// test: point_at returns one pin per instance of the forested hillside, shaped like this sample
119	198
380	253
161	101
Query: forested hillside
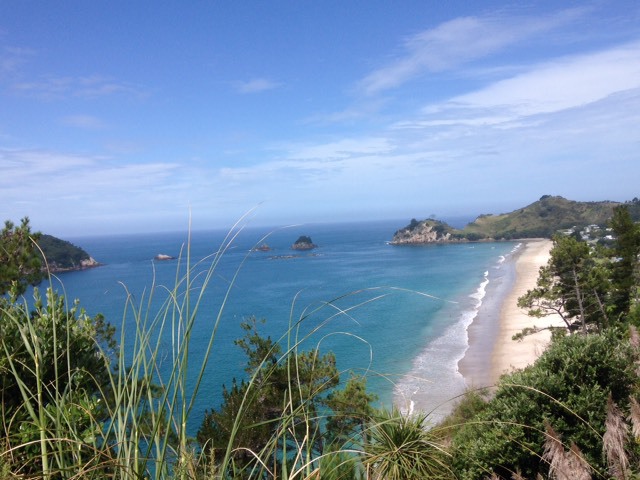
541	219
62	255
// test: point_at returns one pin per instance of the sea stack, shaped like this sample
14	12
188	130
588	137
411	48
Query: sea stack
304	243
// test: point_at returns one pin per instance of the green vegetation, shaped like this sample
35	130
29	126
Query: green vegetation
567	416
568	388
62	255
541	219
20	262
21	256
76	405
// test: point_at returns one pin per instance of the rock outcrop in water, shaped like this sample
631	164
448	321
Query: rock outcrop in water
163	257
426	231
304	243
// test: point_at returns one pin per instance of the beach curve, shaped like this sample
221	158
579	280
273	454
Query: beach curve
492	351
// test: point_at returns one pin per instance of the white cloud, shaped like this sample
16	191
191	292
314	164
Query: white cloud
57	87
340	149
560	84
256	85
34	172
459	41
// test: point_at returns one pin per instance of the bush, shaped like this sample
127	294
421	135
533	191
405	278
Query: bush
568	387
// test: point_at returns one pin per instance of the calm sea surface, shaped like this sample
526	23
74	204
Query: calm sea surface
398	314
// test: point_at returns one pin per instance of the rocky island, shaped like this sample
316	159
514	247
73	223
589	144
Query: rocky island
303	243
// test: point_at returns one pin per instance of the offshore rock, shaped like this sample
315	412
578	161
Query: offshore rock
304	243
162	257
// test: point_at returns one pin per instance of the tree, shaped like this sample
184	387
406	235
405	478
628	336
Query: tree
282	407
20	260
568	388
352	411
625	265
571	285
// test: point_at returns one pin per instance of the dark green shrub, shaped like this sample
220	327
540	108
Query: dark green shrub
568	387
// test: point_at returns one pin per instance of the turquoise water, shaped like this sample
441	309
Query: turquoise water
407	333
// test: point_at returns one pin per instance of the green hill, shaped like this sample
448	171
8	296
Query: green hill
542	218
63	256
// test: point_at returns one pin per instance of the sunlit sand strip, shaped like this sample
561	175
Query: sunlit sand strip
509	354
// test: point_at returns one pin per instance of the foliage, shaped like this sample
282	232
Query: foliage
568	388
54	376
401	447
573	285
60	254
282	406
352	410
67	414
625	270
20	260
542	219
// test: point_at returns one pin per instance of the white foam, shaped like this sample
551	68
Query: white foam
434	379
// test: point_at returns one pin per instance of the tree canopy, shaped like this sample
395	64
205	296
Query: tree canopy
20	259
287	398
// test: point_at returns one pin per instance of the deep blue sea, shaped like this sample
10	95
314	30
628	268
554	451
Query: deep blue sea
395	313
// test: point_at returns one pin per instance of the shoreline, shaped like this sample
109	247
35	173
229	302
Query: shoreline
491	351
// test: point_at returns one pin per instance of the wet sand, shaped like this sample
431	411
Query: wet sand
492	351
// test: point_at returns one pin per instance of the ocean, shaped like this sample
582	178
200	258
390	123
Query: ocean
397	314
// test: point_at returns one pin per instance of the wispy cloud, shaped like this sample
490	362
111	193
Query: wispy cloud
545	88
344	148
457	42
256	85
53	87
11	58
57	173
562	84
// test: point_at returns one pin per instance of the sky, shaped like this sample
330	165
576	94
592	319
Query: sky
147	116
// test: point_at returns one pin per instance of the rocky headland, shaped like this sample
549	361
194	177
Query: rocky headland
63	256
541	219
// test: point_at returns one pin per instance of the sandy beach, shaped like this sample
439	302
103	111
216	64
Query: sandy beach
509	354
492	351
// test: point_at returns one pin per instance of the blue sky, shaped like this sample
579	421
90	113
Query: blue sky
134	116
